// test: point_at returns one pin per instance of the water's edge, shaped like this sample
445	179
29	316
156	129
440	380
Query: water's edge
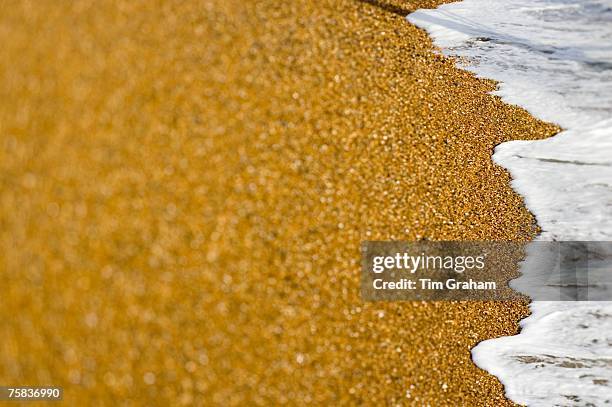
551	58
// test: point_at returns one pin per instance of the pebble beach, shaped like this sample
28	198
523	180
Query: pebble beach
184	188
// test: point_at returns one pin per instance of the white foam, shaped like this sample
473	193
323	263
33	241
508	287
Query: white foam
562	356
554	58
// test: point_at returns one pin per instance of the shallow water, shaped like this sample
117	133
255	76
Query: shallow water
554	58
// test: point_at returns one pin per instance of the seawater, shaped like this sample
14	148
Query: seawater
553	58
